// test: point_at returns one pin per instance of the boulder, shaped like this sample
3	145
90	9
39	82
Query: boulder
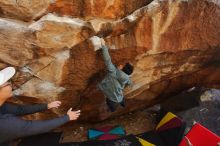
17	47
55	33
173	45
105	9
26	10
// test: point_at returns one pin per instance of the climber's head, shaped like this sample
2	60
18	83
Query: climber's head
5	86
127	68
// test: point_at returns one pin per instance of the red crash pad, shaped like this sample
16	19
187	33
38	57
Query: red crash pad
201	136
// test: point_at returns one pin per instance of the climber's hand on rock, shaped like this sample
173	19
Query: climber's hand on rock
96	41
54	104
102	42
73	115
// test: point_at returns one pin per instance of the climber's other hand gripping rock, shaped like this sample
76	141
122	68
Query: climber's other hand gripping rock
96	41
102	42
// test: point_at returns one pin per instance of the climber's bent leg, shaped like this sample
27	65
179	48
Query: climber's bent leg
112	105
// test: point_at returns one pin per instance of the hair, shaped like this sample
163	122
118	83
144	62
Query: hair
128	69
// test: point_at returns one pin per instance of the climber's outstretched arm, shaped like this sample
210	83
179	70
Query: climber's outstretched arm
100	43
107	58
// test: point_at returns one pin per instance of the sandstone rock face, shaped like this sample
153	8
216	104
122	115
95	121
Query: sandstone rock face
56	33
174	45
23	9
16	48
107	9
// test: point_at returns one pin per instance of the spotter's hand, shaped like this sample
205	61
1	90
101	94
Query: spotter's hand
73	115
54	104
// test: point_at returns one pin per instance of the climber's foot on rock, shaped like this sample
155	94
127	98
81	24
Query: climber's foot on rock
122	103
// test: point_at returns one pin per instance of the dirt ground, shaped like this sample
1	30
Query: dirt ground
133	123
200	105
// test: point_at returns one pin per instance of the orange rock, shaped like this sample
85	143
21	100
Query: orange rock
108	9
174	45
23	9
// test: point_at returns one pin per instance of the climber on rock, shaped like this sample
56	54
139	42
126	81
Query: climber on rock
116	78
12	126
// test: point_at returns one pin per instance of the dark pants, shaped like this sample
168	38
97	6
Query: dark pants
113	105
